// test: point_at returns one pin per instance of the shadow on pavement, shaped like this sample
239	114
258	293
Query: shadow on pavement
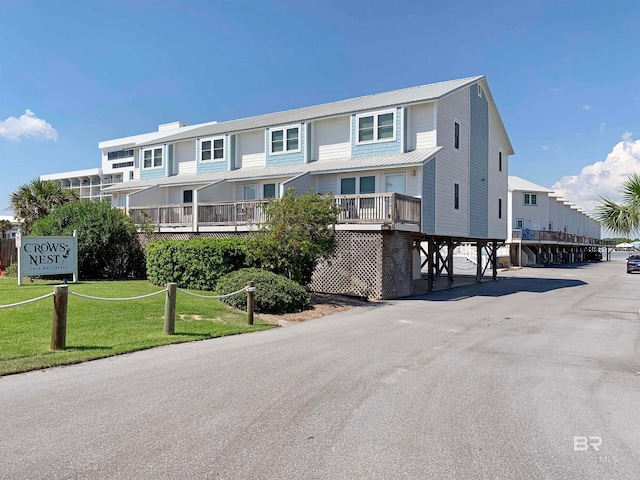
499	288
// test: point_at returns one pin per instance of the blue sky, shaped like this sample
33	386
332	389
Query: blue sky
564	75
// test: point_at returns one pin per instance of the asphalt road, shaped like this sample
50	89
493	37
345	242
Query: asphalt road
488	381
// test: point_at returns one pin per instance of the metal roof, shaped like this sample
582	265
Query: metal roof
520	184
413	158
403	96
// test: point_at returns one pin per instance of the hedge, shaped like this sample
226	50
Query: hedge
274	293
196	264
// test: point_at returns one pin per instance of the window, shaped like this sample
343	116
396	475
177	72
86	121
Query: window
131	175
119	154
285	140
269	190
456	196
368	185
378	127
499	161
249	192
122	165
212	149
499	208
152	158
348	186
531	199
456	134
187	196
519	222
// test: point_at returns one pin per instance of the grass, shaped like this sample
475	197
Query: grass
97	329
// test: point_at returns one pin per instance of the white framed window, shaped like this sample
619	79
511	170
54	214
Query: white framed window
376	127
212	149
519	222
531	199
269	190
249	192
152	157
284	140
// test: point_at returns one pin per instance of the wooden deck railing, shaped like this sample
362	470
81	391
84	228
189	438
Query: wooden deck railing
375	208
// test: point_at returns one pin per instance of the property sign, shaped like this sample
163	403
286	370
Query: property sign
48	256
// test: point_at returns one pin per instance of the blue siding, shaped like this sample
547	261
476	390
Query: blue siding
295	158
212	165
429	197
479	164
155	172
377	148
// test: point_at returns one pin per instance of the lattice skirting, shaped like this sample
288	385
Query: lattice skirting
375	265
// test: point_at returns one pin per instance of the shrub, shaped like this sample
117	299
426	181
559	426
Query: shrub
197	264
108	245
274	293
296	235
11	271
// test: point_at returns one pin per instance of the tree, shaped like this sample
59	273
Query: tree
108	246
34	200
622	217
5	226
296	235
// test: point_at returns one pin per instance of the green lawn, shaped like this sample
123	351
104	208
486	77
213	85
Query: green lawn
98	329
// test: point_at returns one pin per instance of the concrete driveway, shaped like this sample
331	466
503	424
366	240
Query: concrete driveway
532	376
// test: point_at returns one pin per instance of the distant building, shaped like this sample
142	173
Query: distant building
15	225
546	228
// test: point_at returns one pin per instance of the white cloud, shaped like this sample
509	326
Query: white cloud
602	178
544	147
27	125
586	107
603	126
626	136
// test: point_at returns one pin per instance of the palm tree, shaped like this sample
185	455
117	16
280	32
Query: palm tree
34	200
622	217
5	226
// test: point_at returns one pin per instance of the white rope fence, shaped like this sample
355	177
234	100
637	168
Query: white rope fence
116	299
61	293
27	301
245	289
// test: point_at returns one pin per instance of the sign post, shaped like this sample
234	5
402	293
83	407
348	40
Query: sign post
47	256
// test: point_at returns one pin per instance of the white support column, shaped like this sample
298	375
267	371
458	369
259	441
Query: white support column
195	210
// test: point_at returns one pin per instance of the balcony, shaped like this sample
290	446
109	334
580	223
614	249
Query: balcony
389	210
547	236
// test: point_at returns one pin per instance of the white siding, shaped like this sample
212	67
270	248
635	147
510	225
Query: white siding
220	192
327	184
331	139
422	129
498	180
452	165
184	158
250	149
535	217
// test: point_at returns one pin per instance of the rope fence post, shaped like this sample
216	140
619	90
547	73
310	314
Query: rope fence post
251	291
170	309
59	320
